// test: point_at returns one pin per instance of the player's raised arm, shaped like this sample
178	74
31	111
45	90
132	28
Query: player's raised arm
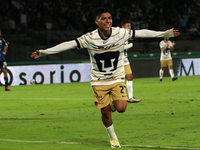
56	49
156	34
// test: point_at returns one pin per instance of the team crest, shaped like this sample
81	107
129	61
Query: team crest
116	38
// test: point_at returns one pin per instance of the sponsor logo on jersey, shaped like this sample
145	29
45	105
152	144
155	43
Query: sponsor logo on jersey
108	47
110	78
104	42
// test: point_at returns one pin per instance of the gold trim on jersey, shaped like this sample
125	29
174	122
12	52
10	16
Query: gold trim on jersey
120	59
101	39
106	49
80	42
93	38
86	39
124	34
95	70
120	66
122	51
107	76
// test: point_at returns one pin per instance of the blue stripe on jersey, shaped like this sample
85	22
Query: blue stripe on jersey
78	44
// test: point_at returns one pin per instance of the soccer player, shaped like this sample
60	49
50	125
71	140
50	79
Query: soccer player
105	46
3	64
128	72
166	47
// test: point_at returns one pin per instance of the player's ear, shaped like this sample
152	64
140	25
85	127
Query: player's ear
96	22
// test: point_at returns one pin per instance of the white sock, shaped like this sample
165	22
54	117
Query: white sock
171	72
129	85
111	132
161	73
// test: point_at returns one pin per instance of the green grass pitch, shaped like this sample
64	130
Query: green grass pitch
63	117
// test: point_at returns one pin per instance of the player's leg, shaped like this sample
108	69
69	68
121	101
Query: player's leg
102	100
129	84
161	71
107	121
171	71
119	96
6	79
3	66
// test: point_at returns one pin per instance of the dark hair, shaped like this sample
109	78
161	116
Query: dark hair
123	22
101	10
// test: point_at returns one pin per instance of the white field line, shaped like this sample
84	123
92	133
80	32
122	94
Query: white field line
72	98
76	143
62	99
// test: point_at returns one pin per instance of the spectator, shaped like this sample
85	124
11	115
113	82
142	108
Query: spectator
183	22
12	26
193	32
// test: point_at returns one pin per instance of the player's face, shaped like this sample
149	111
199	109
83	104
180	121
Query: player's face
166	39
127	26
104	21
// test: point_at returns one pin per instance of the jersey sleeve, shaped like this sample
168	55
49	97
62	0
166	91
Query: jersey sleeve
127	34
133	34
144	33
59	48
83	41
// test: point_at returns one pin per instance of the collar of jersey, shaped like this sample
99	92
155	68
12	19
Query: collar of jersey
107	37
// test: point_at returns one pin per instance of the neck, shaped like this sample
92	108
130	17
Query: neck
104	33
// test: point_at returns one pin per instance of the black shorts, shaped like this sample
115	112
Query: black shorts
3	65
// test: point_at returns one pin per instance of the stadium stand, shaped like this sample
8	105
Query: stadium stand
32	24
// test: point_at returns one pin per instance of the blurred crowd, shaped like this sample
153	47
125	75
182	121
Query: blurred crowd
23	15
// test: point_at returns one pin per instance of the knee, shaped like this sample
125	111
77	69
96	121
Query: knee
129	77
121	110
121	107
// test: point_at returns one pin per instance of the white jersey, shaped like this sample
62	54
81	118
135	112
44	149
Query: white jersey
166	55
106	56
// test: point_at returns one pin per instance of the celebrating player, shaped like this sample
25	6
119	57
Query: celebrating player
106	46
166	47
3	64
128	72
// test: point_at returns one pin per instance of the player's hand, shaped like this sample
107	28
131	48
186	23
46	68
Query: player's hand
4	52
35	54
176	32
173	43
